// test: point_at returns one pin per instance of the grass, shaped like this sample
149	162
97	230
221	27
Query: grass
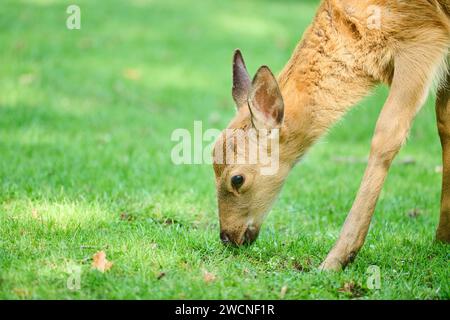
85	123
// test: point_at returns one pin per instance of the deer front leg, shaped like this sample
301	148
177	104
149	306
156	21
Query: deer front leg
443	118
405	99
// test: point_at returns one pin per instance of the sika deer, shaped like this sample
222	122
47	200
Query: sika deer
351	46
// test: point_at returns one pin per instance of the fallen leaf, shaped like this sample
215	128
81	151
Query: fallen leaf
100	262
132	74
283	291
208	276
438	169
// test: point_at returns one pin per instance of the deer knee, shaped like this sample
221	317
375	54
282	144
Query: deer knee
386	144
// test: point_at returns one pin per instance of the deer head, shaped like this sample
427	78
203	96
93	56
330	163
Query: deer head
247	184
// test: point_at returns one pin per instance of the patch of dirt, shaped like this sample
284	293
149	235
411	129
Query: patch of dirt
302	266
353	289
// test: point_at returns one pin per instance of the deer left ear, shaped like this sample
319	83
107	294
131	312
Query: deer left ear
265	100
241	80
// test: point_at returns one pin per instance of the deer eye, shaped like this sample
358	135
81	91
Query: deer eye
237	181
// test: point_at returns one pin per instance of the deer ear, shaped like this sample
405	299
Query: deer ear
265	100
241	80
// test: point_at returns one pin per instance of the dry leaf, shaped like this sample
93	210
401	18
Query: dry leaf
132	74
208	276
283	292
100	262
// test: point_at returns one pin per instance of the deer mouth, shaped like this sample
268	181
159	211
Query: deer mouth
246	238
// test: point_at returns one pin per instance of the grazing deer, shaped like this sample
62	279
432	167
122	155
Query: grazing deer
351	46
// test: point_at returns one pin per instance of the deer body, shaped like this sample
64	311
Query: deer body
350	47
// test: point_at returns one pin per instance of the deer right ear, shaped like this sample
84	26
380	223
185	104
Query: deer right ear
241	80
265	101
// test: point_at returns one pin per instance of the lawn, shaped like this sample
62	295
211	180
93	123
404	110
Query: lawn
86	118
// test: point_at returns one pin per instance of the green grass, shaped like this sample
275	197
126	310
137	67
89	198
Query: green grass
85	124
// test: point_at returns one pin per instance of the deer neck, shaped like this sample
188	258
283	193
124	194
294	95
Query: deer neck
318	86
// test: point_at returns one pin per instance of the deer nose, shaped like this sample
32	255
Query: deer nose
224	237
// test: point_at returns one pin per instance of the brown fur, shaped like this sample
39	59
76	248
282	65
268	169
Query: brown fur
339	61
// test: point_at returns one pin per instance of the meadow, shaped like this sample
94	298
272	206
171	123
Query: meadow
86	118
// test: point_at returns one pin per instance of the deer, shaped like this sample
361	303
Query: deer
351	47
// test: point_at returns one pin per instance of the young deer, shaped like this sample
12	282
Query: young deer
351	46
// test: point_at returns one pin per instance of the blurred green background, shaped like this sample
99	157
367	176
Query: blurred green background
85	123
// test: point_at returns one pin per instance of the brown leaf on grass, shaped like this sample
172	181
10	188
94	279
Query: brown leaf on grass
100	262
208	276
283	291
132	74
